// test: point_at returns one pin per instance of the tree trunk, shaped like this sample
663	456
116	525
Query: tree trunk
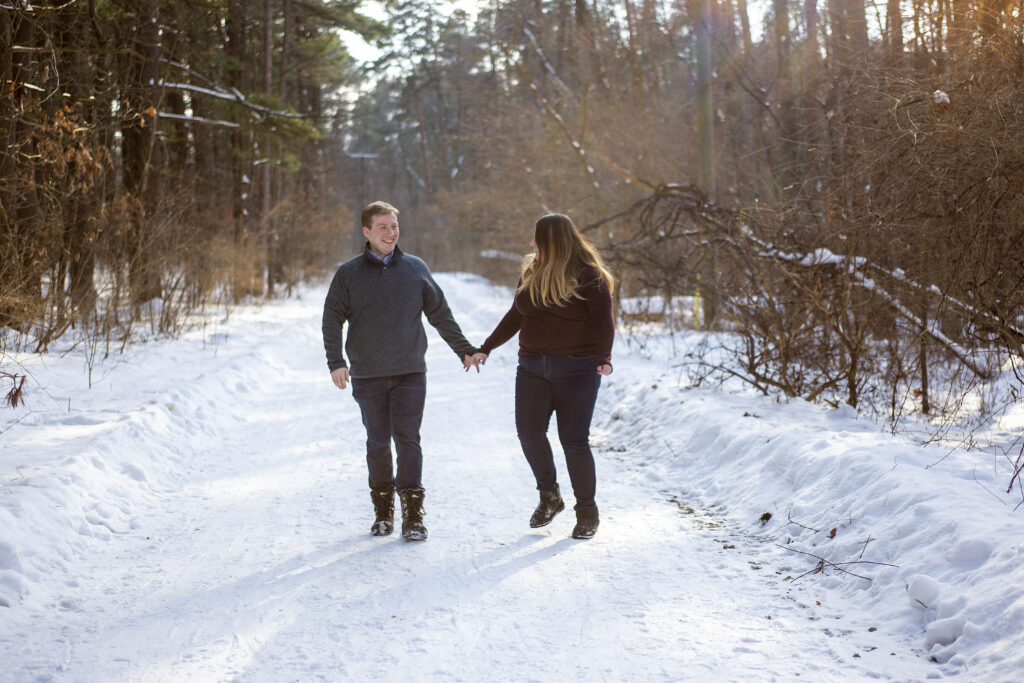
235	29
895	33
7	113
266	168
786	158
705	103
82	258
926	407
138	133
22	209
7	167
89	76
856	11
241	149
706	156
748	43
811	24
286	35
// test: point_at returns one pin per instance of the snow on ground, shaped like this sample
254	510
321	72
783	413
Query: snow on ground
201	513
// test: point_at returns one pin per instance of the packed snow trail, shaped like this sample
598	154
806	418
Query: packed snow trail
243	552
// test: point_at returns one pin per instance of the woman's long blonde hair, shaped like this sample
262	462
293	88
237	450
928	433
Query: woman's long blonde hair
551	276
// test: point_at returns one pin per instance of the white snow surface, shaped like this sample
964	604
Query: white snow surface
201	513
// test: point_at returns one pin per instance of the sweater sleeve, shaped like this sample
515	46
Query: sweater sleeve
440	316
506	329
335	314
599	305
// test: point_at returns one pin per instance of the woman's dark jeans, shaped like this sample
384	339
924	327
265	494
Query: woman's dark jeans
566	386
392	407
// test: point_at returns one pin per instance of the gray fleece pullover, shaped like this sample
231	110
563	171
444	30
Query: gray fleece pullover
383	304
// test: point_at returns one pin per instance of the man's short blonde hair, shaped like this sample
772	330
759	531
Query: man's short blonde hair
376	209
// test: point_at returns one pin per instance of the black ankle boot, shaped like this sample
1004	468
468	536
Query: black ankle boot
412	515
383	499
586	522
550	505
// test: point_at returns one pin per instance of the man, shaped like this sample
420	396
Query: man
382	294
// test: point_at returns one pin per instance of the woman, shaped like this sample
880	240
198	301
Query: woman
563	312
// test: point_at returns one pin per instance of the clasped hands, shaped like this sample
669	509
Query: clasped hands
474	361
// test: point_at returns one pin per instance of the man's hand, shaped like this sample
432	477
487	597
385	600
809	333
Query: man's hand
474	361
340	377
605	369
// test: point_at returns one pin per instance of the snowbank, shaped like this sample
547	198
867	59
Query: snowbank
839	489
80	464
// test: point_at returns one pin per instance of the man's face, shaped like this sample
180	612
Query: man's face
382	233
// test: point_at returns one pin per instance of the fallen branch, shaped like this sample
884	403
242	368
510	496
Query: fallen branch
789	515
823	564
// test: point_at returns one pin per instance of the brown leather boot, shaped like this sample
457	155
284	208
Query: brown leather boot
550	505
412	515
384	509
586	522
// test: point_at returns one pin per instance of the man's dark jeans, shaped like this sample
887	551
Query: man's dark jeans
566	386
392	407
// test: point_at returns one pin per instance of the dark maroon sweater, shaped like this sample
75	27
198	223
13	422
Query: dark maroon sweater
584	326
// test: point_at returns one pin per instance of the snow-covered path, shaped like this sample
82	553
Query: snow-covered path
223	490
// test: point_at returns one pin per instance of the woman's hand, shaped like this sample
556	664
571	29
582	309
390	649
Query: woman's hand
605	369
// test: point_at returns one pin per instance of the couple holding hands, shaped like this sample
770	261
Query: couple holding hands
562	310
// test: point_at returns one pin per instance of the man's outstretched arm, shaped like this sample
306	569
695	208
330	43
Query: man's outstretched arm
435	307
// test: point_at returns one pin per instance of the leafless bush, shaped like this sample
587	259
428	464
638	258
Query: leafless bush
663	247
811	314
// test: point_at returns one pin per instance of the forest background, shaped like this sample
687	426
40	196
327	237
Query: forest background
838	188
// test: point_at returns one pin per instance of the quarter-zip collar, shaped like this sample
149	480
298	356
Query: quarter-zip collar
375	259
